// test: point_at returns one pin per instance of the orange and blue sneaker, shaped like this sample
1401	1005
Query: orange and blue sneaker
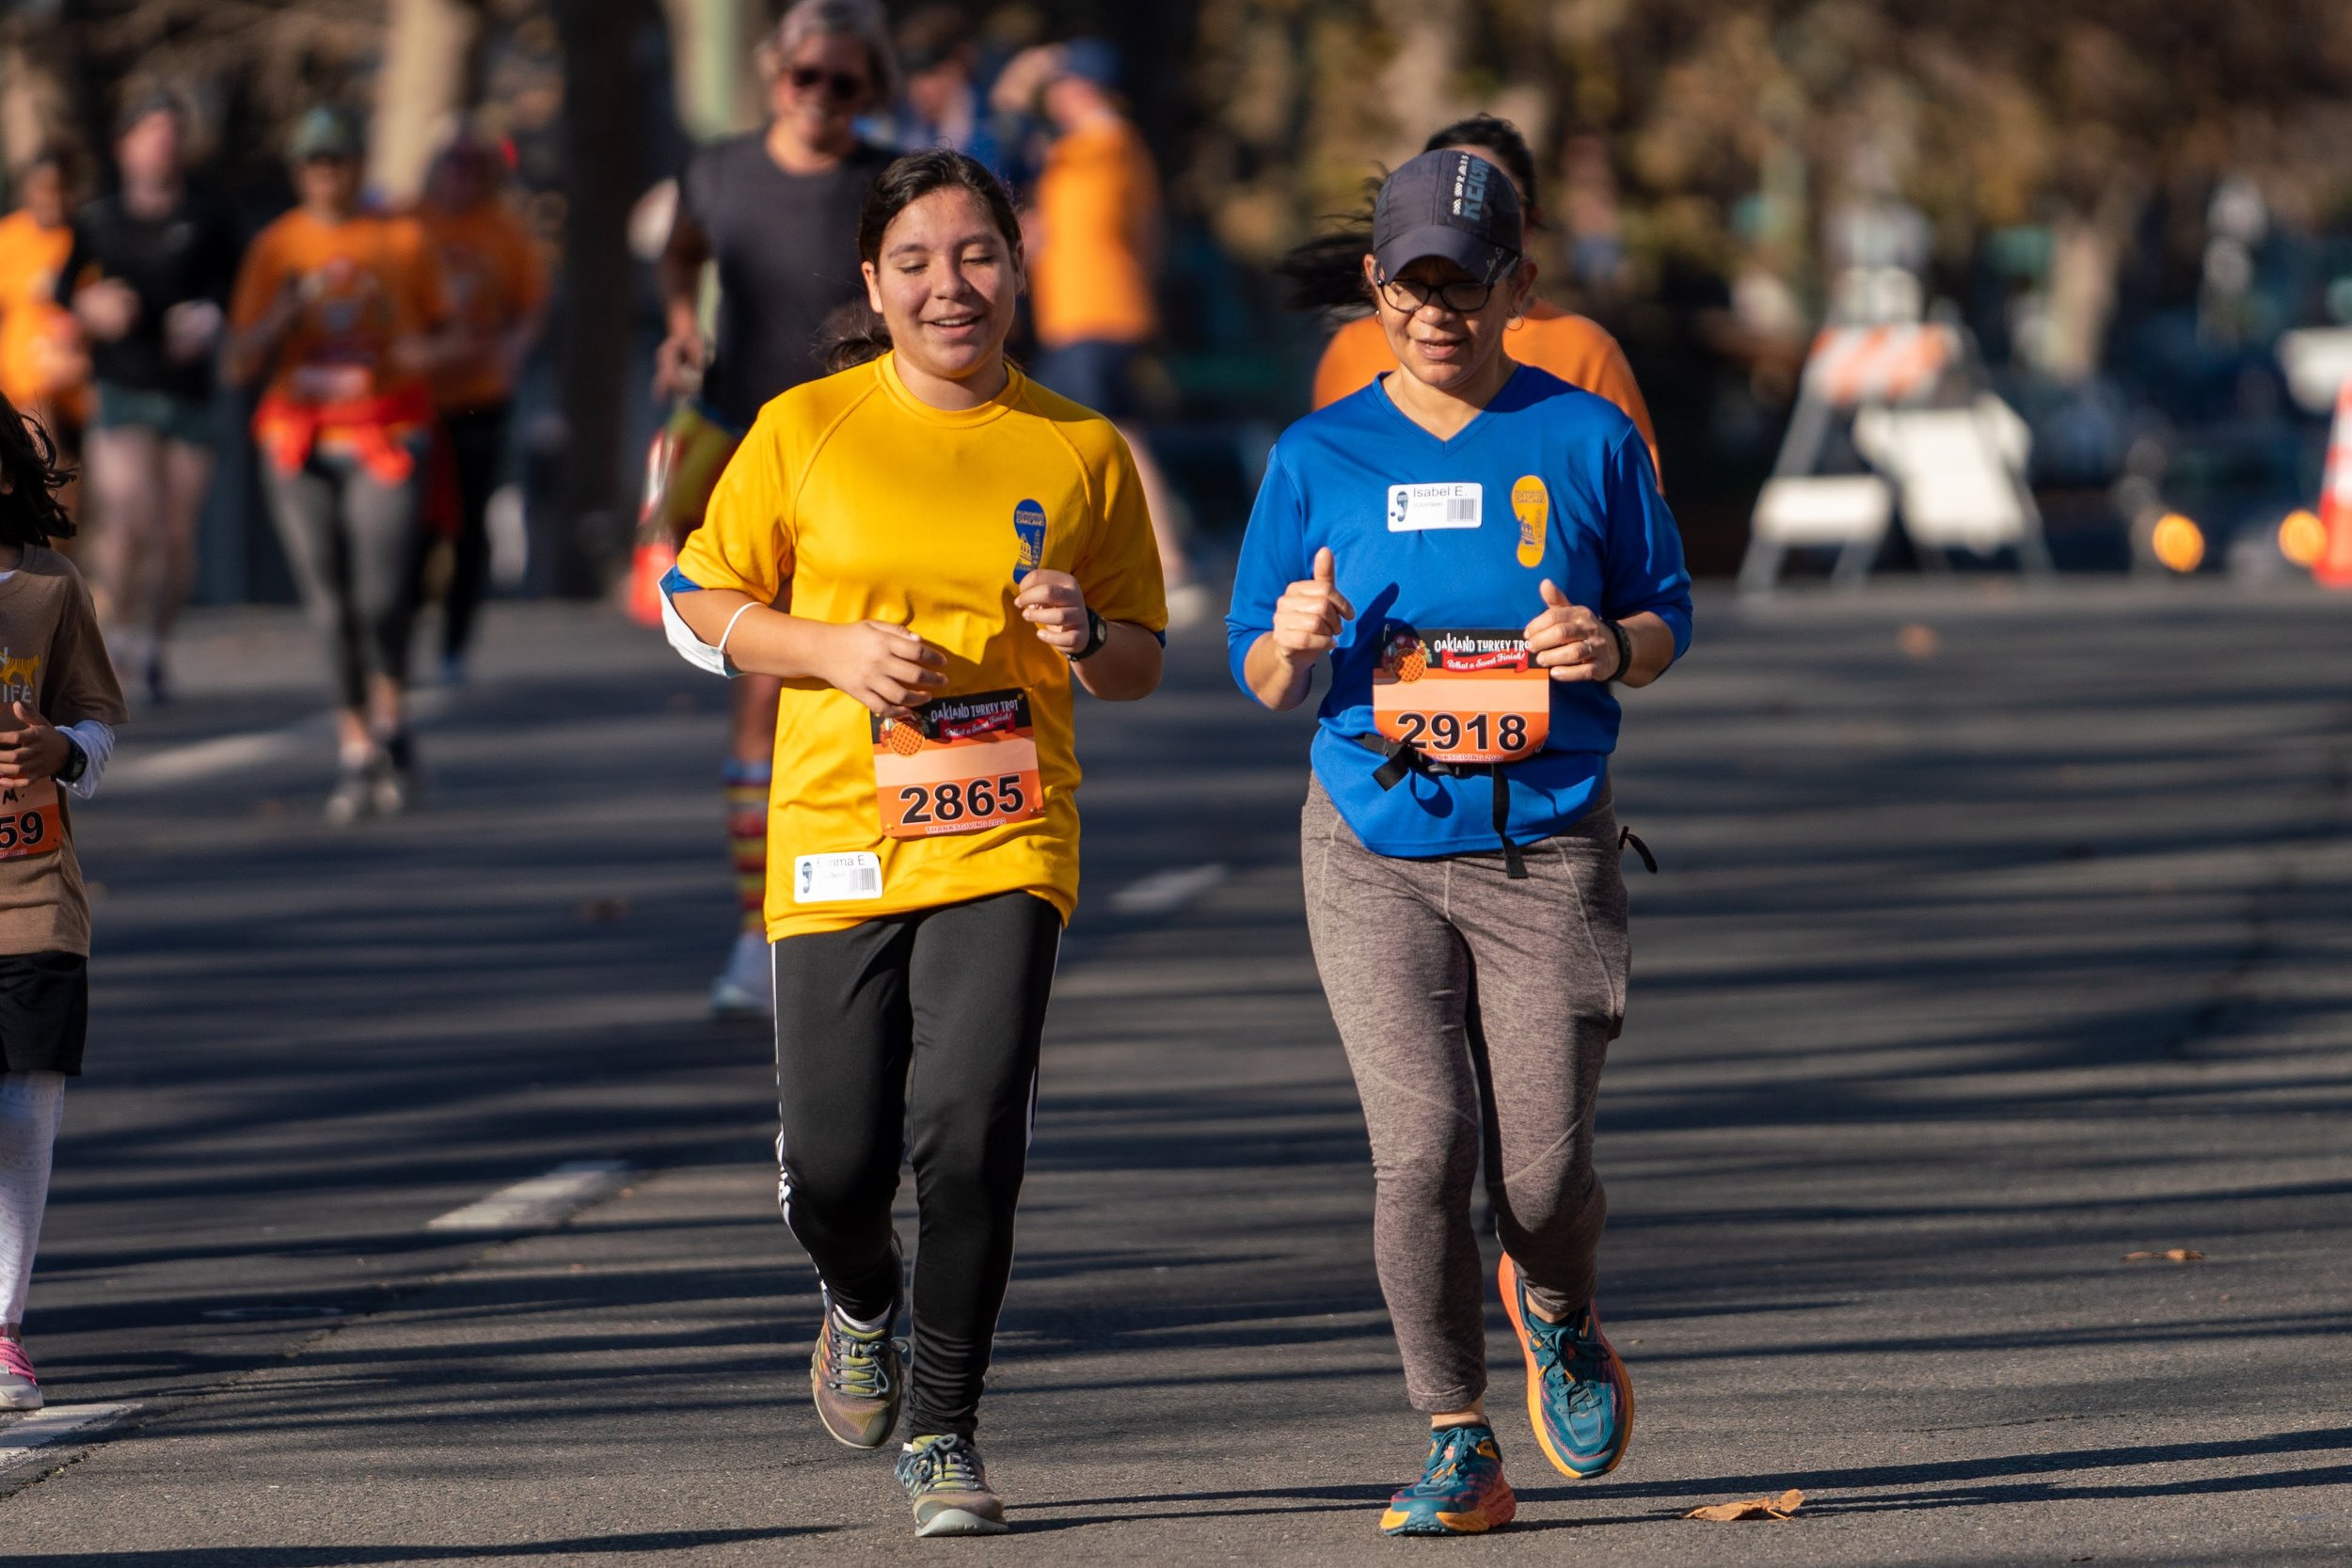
1461	1490
1579	1399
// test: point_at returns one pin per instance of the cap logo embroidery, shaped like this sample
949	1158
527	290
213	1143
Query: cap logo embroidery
1470	188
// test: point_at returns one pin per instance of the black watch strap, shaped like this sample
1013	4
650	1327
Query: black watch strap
76	761
1625	648
1098	633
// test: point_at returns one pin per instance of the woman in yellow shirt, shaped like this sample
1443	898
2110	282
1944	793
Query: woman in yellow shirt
927	548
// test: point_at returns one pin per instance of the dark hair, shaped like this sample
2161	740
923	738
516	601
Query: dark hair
1327	273
1492	133
29	512
854	334
161	100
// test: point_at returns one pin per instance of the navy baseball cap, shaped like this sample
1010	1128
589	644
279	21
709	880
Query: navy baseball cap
1452	204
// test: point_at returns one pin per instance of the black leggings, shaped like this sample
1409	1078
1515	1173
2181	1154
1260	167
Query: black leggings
477	441
916	1034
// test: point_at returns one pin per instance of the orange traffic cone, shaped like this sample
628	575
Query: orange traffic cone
2334	568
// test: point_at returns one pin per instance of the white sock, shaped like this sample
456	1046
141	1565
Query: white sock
31	1106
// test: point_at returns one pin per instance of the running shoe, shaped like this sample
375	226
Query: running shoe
353	796
1579	1399
1461	1490
18	1388
392	781
858	1378
949	1487
747	987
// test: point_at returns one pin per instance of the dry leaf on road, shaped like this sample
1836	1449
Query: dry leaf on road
2173	1255
1754	1508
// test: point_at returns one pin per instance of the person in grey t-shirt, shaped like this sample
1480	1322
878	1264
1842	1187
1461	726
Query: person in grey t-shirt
776	211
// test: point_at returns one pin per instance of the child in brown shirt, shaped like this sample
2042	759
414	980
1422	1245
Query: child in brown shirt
58	703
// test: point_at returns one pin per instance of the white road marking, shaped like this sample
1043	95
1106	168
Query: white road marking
250	752
542	1201
37	1437
1165	892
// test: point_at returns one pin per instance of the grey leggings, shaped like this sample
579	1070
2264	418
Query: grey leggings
352	541
1446	975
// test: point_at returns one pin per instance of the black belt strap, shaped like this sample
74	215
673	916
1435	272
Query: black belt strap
1401	758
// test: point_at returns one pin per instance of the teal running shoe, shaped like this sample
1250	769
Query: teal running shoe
948	1488
1461	1490
1579	1399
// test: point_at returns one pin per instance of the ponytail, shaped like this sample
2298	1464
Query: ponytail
1328	271
853	334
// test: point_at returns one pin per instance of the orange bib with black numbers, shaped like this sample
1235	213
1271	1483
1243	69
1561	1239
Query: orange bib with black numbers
963	764
1467	696
29	820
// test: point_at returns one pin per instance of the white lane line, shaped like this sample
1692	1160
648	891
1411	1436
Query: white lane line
37	1435
247	752
1165	892
542	1201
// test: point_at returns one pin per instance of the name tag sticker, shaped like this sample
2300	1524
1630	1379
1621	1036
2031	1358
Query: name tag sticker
837	879
1413	508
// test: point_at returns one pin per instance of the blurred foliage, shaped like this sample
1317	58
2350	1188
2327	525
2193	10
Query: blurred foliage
1984	113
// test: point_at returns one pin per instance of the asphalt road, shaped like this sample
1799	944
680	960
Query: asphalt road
1999	935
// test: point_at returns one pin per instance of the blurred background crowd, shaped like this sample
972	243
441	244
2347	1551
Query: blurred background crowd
2128	221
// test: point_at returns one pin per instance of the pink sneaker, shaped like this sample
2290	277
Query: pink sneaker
18	1388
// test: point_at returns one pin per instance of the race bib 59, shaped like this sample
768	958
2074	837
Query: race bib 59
28	820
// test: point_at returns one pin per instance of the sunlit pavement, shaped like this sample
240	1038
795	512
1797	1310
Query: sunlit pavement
1999	935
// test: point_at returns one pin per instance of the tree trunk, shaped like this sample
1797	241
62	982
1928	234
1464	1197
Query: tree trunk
602	133
428	79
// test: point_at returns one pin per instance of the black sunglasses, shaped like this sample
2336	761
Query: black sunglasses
843	84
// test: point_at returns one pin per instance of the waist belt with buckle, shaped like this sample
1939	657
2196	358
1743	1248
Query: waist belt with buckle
1400	758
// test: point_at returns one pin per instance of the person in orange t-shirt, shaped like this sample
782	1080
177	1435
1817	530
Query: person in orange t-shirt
1575	348
342	313
498	289
44	369
1092	234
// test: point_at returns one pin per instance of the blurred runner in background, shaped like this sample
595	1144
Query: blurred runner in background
1094	235
943	105
1328	272
148	279
776	210
498	290
43	370
342	312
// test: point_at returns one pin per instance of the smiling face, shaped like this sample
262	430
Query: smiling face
148	151
1445	349
821	89
945	281
328	186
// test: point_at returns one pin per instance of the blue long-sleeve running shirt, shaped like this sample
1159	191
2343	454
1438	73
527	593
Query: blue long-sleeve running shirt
1425	533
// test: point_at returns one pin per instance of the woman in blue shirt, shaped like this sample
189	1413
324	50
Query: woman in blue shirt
1480	550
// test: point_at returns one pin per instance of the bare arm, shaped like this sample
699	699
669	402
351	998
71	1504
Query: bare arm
679	275
1126	667
885	667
